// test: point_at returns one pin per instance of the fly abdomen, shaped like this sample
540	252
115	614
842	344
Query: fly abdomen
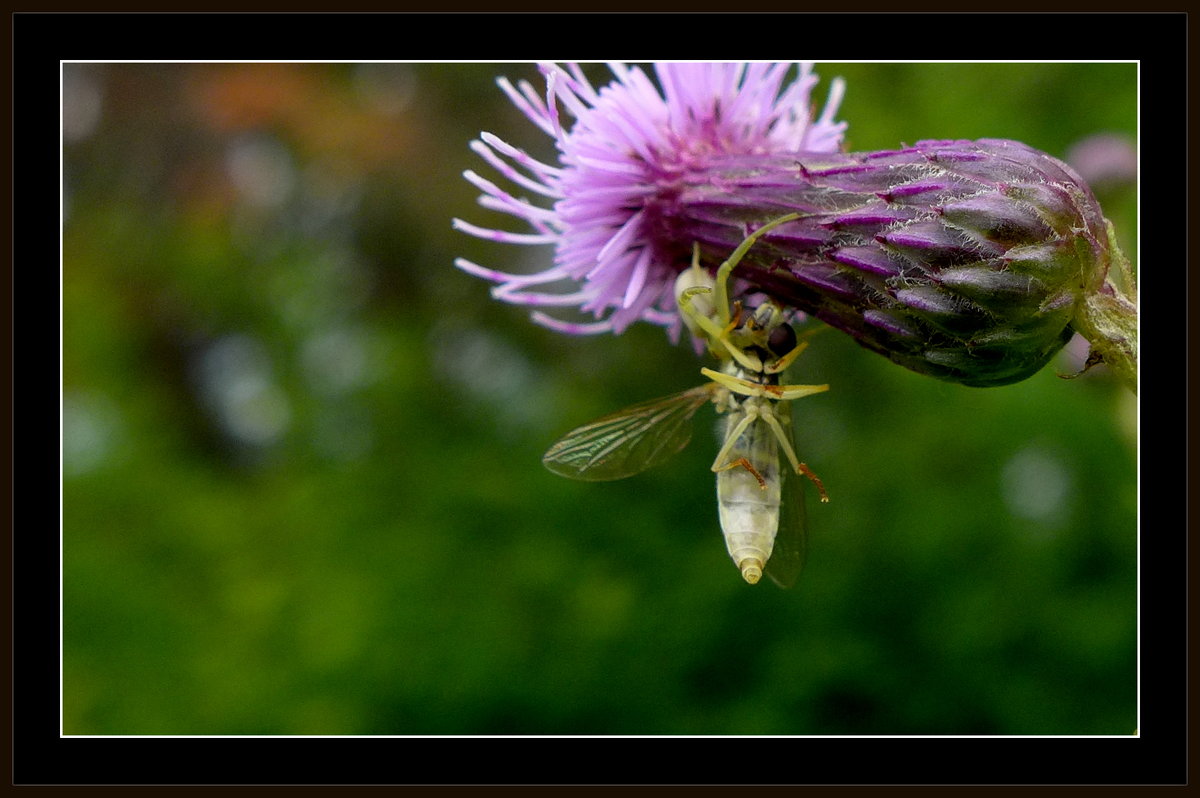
748	497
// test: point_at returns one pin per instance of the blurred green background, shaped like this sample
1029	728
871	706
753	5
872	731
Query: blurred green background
301	481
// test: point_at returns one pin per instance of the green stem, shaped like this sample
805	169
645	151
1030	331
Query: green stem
1108	320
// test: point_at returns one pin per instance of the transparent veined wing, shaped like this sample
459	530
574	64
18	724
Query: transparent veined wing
629	441
791	540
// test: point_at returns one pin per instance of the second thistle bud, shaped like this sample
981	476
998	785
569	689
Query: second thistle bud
971	261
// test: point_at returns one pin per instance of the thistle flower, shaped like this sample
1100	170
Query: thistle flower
972	262
621	163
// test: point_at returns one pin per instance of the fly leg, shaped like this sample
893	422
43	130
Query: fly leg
777	392
786	442
746	464
719	463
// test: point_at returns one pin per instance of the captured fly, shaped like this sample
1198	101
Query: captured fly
758	494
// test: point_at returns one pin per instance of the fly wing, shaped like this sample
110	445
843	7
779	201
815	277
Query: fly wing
791	541
629	441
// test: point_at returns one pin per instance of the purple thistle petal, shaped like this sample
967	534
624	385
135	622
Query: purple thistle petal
621	161
502	277
534	110
547	173
640	267
497	198
502	235
570	328
496	162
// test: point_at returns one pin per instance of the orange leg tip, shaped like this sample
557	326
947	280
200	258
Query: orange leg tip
808	472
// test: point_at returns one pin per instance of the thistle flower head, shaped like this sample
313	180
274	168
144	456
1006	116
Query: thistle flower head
624	152
971	261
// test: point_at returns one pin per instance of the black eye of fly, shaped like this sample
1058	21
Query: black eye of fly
782	340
